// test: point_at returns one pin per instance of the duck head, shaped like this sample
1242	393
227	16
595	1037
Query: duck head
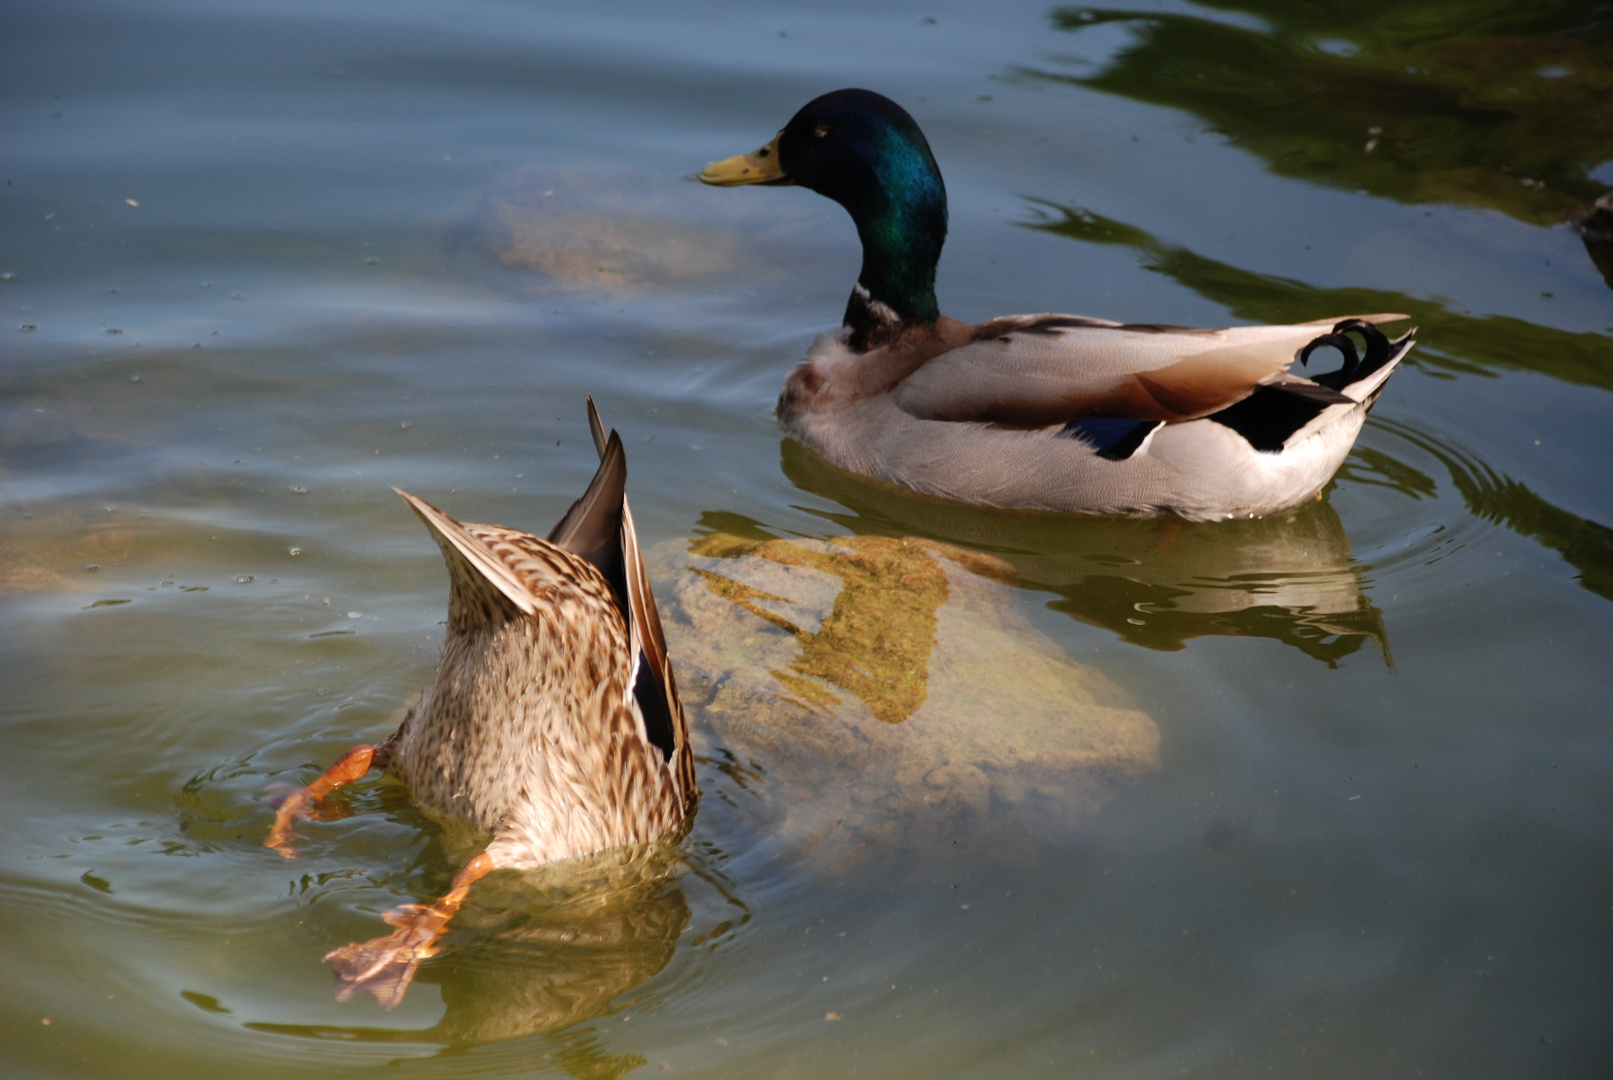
864	151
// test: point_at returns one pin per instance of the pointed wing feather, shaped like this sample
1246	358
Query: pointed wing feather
596	427
1035	371
648	638
461	549
592	528
646	620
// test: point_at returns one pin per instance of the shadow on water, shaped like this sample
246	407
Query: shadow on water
1449	345
1155	582
1496	105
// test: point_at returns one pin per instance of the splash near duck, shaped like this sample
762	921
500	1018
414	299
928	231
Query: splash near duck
554	722
1046	412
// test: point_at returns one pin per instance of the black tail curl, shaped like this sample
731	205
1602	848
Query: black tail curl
1268	417
1354	366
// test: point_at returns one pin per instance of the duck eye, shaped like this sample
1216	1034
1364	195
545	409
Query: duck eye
820	131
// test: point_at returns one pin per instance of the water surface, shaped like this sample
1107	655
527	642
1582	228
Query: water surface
264	262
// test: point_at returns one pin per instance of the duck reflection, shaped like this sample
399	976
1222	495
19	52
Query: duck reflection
561	965
1289	578
1151	581
558	947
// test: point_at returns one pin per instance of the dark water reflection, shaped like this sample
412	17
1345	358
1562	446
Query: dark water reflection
1489	105
1447	341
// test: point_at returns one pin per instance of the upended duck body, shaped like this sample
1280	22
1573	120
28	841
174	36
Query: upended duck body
554	722
1047	411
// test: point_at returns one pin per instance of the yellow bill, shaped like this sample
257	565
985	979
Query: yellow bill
757	167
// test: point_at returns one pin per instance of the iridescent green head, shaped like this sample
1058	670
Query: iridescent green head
862	150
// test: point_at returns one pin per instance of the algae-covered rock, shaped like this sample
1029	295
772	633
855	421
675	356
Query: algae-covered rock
876	689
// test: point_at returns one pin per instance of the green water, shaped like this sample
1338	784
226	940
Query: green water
265	262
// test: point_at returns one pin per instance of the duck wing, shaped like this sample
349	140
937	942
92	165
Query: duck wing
654	685
1031	371
592	527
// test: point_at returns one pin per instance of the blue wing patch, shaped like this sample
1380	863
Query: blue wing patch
1112	438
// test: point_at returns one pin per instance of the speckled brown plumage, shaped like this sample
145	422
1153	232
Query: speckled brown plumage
530	730
553	723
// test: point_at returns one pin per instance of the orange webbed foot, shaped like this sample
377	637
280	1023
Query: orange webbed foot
385	966
287	808
304	802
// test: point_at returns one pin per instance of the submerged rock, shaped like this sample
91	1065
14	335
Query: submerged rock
871	689
60	552
608	232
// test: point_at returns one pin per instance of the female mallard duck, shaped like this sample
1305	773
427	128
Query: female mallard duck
554	721
1049	412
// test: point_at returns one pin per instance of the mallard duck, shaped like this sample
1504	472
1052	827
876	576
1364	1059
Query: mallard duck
554	721
1049	412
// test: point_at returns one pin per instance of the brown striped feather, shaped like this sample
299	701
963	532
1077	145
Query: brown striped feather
531	730
645	621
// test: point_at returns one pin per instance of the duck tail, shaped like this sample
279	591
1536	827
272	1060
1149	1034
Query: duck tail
1362	376
479	580
1272	415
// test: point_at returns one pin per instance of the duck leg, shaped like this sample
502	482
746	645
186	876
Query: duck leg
385	966
300	803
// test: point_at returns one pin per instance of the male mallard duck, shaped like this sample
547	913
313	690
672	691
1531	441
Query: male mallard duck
1050	412
554	721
